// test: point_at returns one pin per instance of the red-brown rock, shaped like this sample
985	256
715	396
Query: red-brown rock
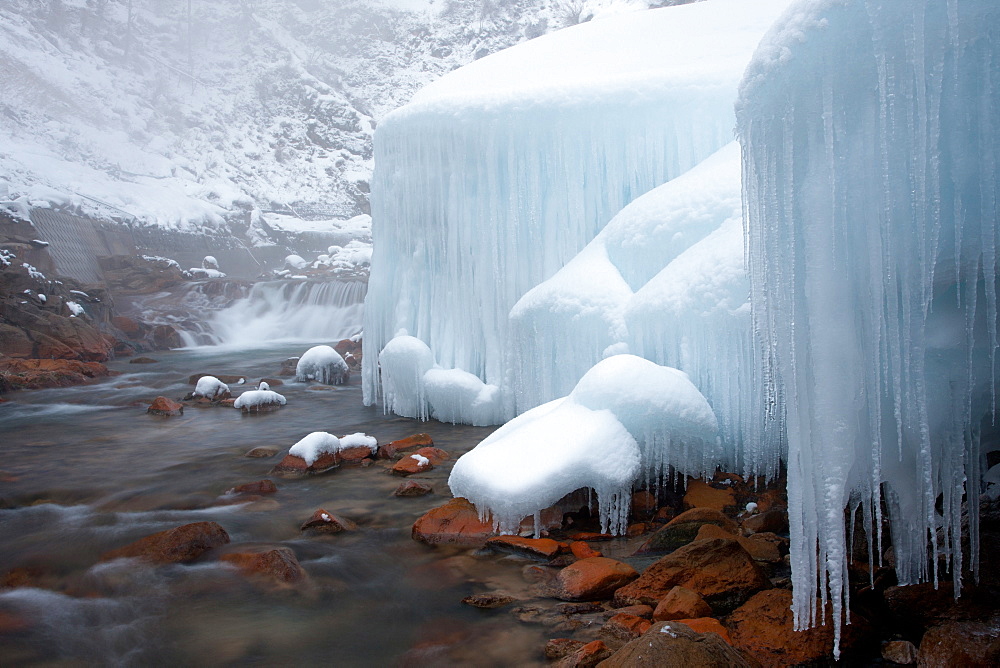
323	521
436	455
773	521
681	603
644	611
721	571
669	644
644	505
355	456
585	536
902	652
581	550
544	548
587	656
177	545
702	495
36	374
593	579
279	565
412	464
706	625
258	487
291	464
456	523
624	626
557	648
761	550
165	407
390	450
970	644
682	530
763	627
412	488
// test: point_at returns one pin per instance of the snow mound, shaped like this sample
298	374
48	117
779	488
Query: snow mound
458	396
210	386
403	362
626	417
257	398
313	446
322	364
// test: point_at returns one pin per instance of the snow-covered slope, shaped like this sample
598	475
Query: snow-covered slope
186	114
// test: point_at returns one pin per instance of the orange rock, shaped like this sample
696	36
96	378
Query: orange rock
412	464
643	505
773	521
165	407
682	530
970	644
591	536
390	450
259	487
545	548
763	627
436	455
291	464
278	564
456	522
587	656
180	544
644	611
625	626
581	550
669	644
326	522
706	625
412	488
771	499
593	579
761	550
355	455
664	515
636	529
681	603
721	571
702	495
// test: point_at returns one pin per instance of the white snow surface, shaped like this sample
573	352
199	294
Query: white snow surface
626	417
403	362
458	396
870	132
253	398
322	364
314	445
359	439
210	386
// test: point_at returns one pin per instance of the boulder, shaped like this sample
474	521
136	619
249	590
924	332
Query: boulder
706	625
278	565
391	450
644	505
902	652
586	656
455	523
772	521
488	601
412	464
592	579
180	544
582	550
165	407
644	611
625	627
295	465
761	550
35	374
682	530
557	648
539	548
412	488
720	570
674	644
681	603
970	644
323	521
260	452
700	494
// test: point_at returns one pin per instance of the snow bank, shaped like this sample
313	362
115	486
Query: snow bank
498	174
210	386
323	364
870	139
458	396
625	417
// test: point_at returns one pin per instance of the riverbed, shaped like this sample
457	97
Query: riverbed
86	470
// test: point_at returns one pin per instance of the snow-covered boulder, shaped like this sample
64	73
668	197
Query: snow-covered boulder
211	388
403	363
319	451
322	364
458	396
259	401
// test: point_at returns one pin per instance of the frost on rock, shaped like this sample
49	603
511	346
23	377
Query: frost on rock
498	174
871	144
211	387
626	417
322	364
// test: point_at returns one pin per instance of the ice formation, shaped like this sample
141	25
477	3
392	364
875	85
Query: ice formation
871	145
498	174
210	386
403	363
322	364
625	417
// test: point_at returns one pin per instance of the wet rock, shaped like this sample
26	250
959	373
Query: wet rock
674	644
412	464
702	495
557	648
165	407
636	529
773	521
278	565
644	611
258	487
763	627
289	366
625	627
393	449
706	625
456	523
412	488
36	374
761	550
355	456
488	601
919	606
593	579
177	545
539	548
902	652
143	360
580	608
261	452
681	603
720	570
644	505
970	644
294	465
582	550
227	403
590	537
682	530
586	656
323	521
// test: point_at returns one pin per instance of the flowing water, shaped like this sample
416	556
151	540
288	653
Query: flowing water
86	470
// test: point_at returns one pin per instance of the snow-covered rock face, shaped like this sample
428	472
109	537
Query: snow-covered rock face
870	139
626	417
322	364
498	174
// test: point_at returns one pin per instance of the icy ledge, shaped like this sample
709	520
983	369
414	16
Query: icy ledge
627	417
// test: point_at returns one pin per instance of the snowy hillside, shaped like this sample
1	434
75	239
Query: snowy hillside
184	113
